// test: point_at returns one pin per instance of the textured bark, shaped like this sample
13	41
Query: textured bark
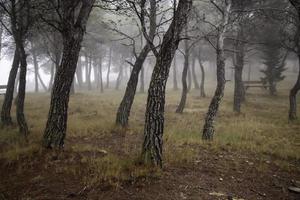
23	128
208	129
184	92
128	98
195	80
175	84
72	35
8	99
239	55
154	116
293	96
127	101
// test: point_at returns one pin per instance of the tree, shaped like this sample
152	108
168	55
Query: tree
273	59
296	48
154	116
127	101
20	16
73	17
208	129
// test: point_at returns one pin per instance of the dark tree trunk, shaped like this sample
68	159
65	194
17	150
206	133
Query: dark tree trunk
72	35
202	88
183	79
175	84
293	96
142	80
196	83
108	68
154	116
127	101
208	129
9	95
21	92
239	55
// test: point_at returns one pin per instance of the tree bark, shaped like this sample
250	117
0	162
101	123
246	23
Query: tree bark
208	129
154	116
128	98
21	92
293	97
41	81
9	95
239	55
184	92
72	35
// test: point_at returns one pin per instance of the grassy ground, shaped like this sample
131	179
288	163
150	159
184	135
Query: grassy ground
101	160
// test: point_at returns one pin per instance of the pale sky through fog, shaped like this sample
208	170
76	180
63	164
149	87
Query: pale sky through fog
5	66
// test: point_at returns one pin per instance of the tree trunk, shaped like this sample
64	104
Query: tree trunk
293	96
154	116
208	129
41	81
108	68
175	85
202	88
9	95
238	71
128	98
196	83
79	73
72	35
184	77
189	78
23	128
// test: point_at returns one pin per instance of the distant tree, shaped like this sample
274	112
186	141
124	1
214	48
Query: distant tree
273	59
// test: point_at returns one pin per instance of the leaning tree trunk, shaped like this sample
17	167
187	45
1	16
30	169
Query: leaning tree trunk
238	72
9	95
183	80
41	81
293	96
127	101
202	88
175	84
196	83
100	75
208	129
72	35
154	116
21	93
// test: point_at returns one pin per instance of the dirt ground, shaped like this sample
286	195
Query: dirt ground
213	174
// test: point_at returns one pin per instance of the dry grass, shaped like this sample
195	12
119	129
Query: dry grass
262	128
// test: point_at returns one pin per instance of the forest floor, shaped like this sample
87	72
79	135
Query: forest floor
255	155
